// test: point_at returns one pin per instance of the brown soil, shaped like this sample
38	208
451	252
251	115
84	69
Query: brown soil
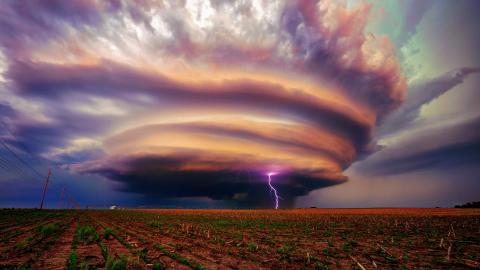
153	255
25	231
29	254
90	254
211	256
56	257
8	247
265	239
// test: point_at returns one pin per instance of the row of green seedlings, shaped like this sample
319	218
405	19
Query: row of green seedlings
349	245
206	231
164	250
180	230
25	221
289	251
112	262
438	235
84	235
118	262
143	252
395	235
212	230
21	218
434	240
211	233
51	231
87	235
17	232
238	239
41	231
285	251
214	221
72	258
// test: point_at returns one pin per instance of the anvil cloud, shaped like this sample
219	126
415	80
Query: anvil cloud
197	98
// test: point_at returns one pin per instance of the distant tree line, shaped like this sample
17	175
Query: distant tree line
469	205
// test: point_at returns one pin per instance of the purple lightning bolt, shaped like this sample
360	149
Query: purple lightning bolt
272	188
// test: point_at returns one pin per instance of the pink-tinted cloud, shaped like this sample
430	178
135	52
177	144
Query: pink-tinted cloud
176	95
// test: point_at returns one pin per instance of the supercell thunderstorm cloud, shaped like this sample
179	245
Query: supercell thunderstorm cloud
187	99
202	100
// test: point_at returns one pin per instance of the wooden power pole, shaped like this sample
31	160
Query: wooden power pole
45	188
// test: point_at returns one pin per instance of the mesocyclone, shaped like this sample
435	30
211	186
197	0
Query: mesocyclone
202	94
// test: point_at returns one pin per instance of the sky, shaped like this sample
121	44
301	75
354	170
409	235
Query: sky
193	104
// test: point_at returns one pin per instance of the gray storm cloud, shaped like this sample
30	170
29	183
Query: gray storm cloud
422	94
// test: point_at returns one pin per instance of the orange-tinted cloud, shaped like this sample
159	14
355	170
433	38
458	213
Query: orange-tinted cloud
175	97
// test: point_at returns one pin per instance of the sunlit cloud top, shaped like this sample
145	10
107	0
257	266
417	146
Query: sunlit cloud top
176	98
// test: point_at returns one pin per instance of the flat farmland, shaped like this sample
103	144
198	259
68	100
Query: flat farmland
240	239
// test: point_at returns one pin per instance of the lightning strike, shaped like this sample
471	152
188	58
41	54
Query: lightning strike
273	189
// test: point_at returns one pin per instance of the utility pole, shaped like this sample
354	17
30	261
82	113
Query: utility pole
45	188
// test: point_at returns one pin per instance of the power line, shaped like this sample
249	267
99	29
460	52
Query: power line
40	160
5	167
25	149
9	170
19	158
13	167
29	153
10	163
